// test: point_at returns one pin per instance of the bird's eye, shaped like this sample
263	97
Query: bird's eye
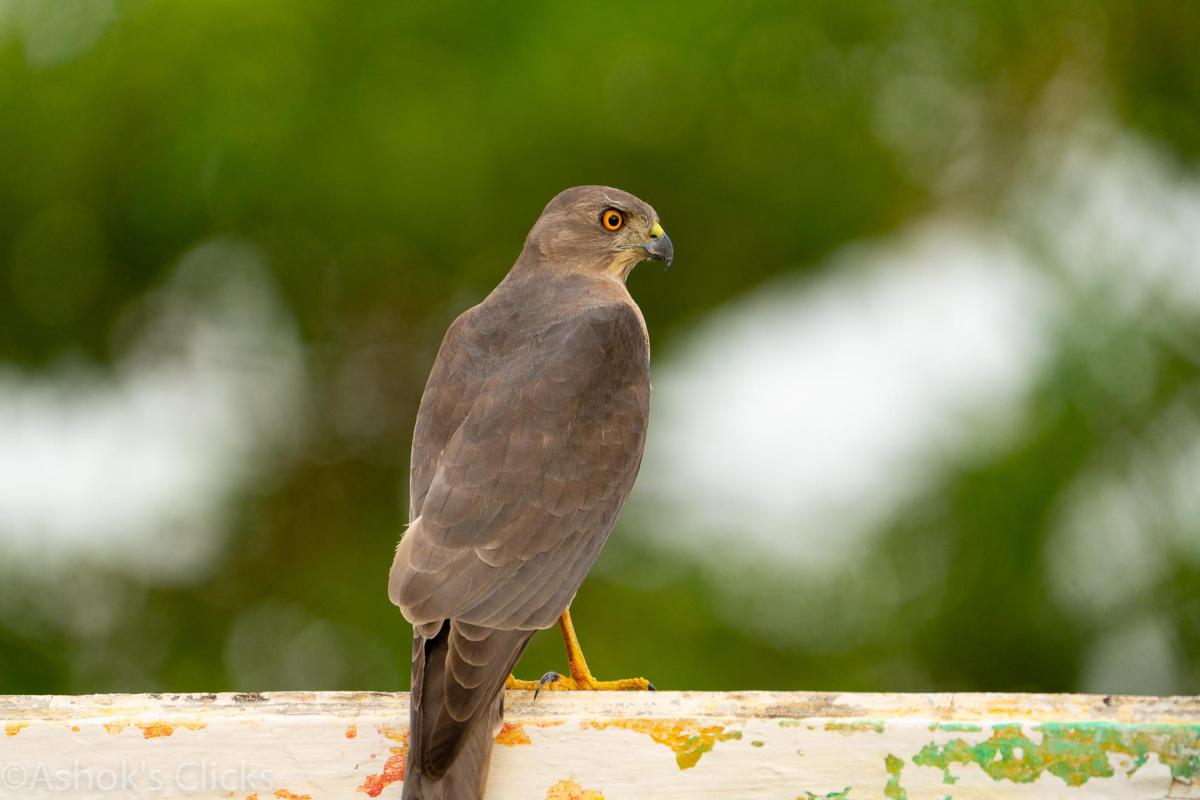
612	219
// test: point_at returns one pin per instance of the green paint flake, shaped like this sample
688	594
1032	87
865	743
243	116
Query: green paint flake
756	744
1071	751
850	728
844	794
893	790
955	727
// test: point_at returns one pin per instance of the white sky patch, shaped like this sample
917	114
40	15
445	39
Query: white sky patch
136	468
1128	517
1122	225
801	418
1139	657
57	32
1114	216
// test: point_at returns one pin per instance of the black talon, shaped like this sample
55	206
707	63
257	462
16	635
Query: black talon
549	677
650	686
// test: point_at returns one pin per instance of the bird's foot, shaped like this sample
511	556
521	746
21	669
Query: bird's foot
515	683
581	678
579	682
582	681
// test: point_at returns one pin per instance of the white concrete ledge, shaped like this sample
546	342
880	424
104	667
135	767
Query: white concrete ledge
608	746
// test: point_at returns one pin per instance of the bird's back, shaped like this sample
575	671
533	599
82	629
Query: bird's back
508	331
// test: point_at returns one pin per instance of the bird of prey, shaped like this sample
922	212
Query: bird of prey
526	444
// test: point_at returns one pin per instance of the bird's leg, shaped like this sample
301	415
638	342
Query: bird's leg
581	678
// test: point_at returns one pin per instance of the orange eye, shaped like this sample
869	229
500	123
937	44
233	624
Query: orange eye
612	219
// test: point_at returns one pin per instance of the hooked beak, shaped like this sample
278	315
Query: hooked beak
659	247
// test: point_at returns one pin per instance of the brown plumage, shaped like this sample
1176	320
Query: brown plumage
527	442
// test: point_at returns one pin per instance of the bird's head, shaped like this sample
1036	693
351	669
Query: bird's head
599	228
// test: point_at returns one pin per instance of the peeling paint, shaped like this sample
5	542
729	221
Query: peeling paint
858	726
352	732
513	734
893	790
155	730
12	729
249	697
844	794
150	730
570	790
955	727
393	733
1072	752
393	768
685	737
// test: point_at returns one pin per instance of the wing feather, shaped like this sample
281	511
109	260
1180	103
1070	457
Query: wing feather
512	509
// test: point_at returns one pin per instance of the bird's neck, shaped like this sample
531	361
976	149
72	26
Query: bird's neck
537	260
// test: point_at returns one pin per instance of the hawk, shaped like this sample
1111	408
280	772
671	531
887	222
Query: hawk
527	442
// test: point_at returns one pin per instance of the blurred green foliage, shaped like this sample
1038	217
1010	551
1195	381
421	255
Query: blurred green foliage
388	158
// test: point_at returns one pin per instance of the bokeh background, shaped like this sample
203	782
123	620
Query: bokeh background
927	370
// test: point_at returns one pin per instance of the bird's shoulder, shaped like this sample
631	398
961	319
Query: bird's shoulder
605	318
558	318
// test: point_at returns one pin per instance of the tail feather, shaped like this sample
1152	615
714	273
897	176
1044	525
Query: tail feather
456	707
467	775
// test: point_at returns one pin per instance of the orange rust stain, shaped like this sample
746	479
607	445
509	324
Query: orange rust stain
395	734
393	768
150	730
570	790
513	734
74	729
154	730
687	738
14	728
352	732
284	794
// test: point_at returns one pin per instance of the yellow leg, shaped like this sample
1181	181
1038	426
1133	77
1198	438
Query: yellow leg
581	678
